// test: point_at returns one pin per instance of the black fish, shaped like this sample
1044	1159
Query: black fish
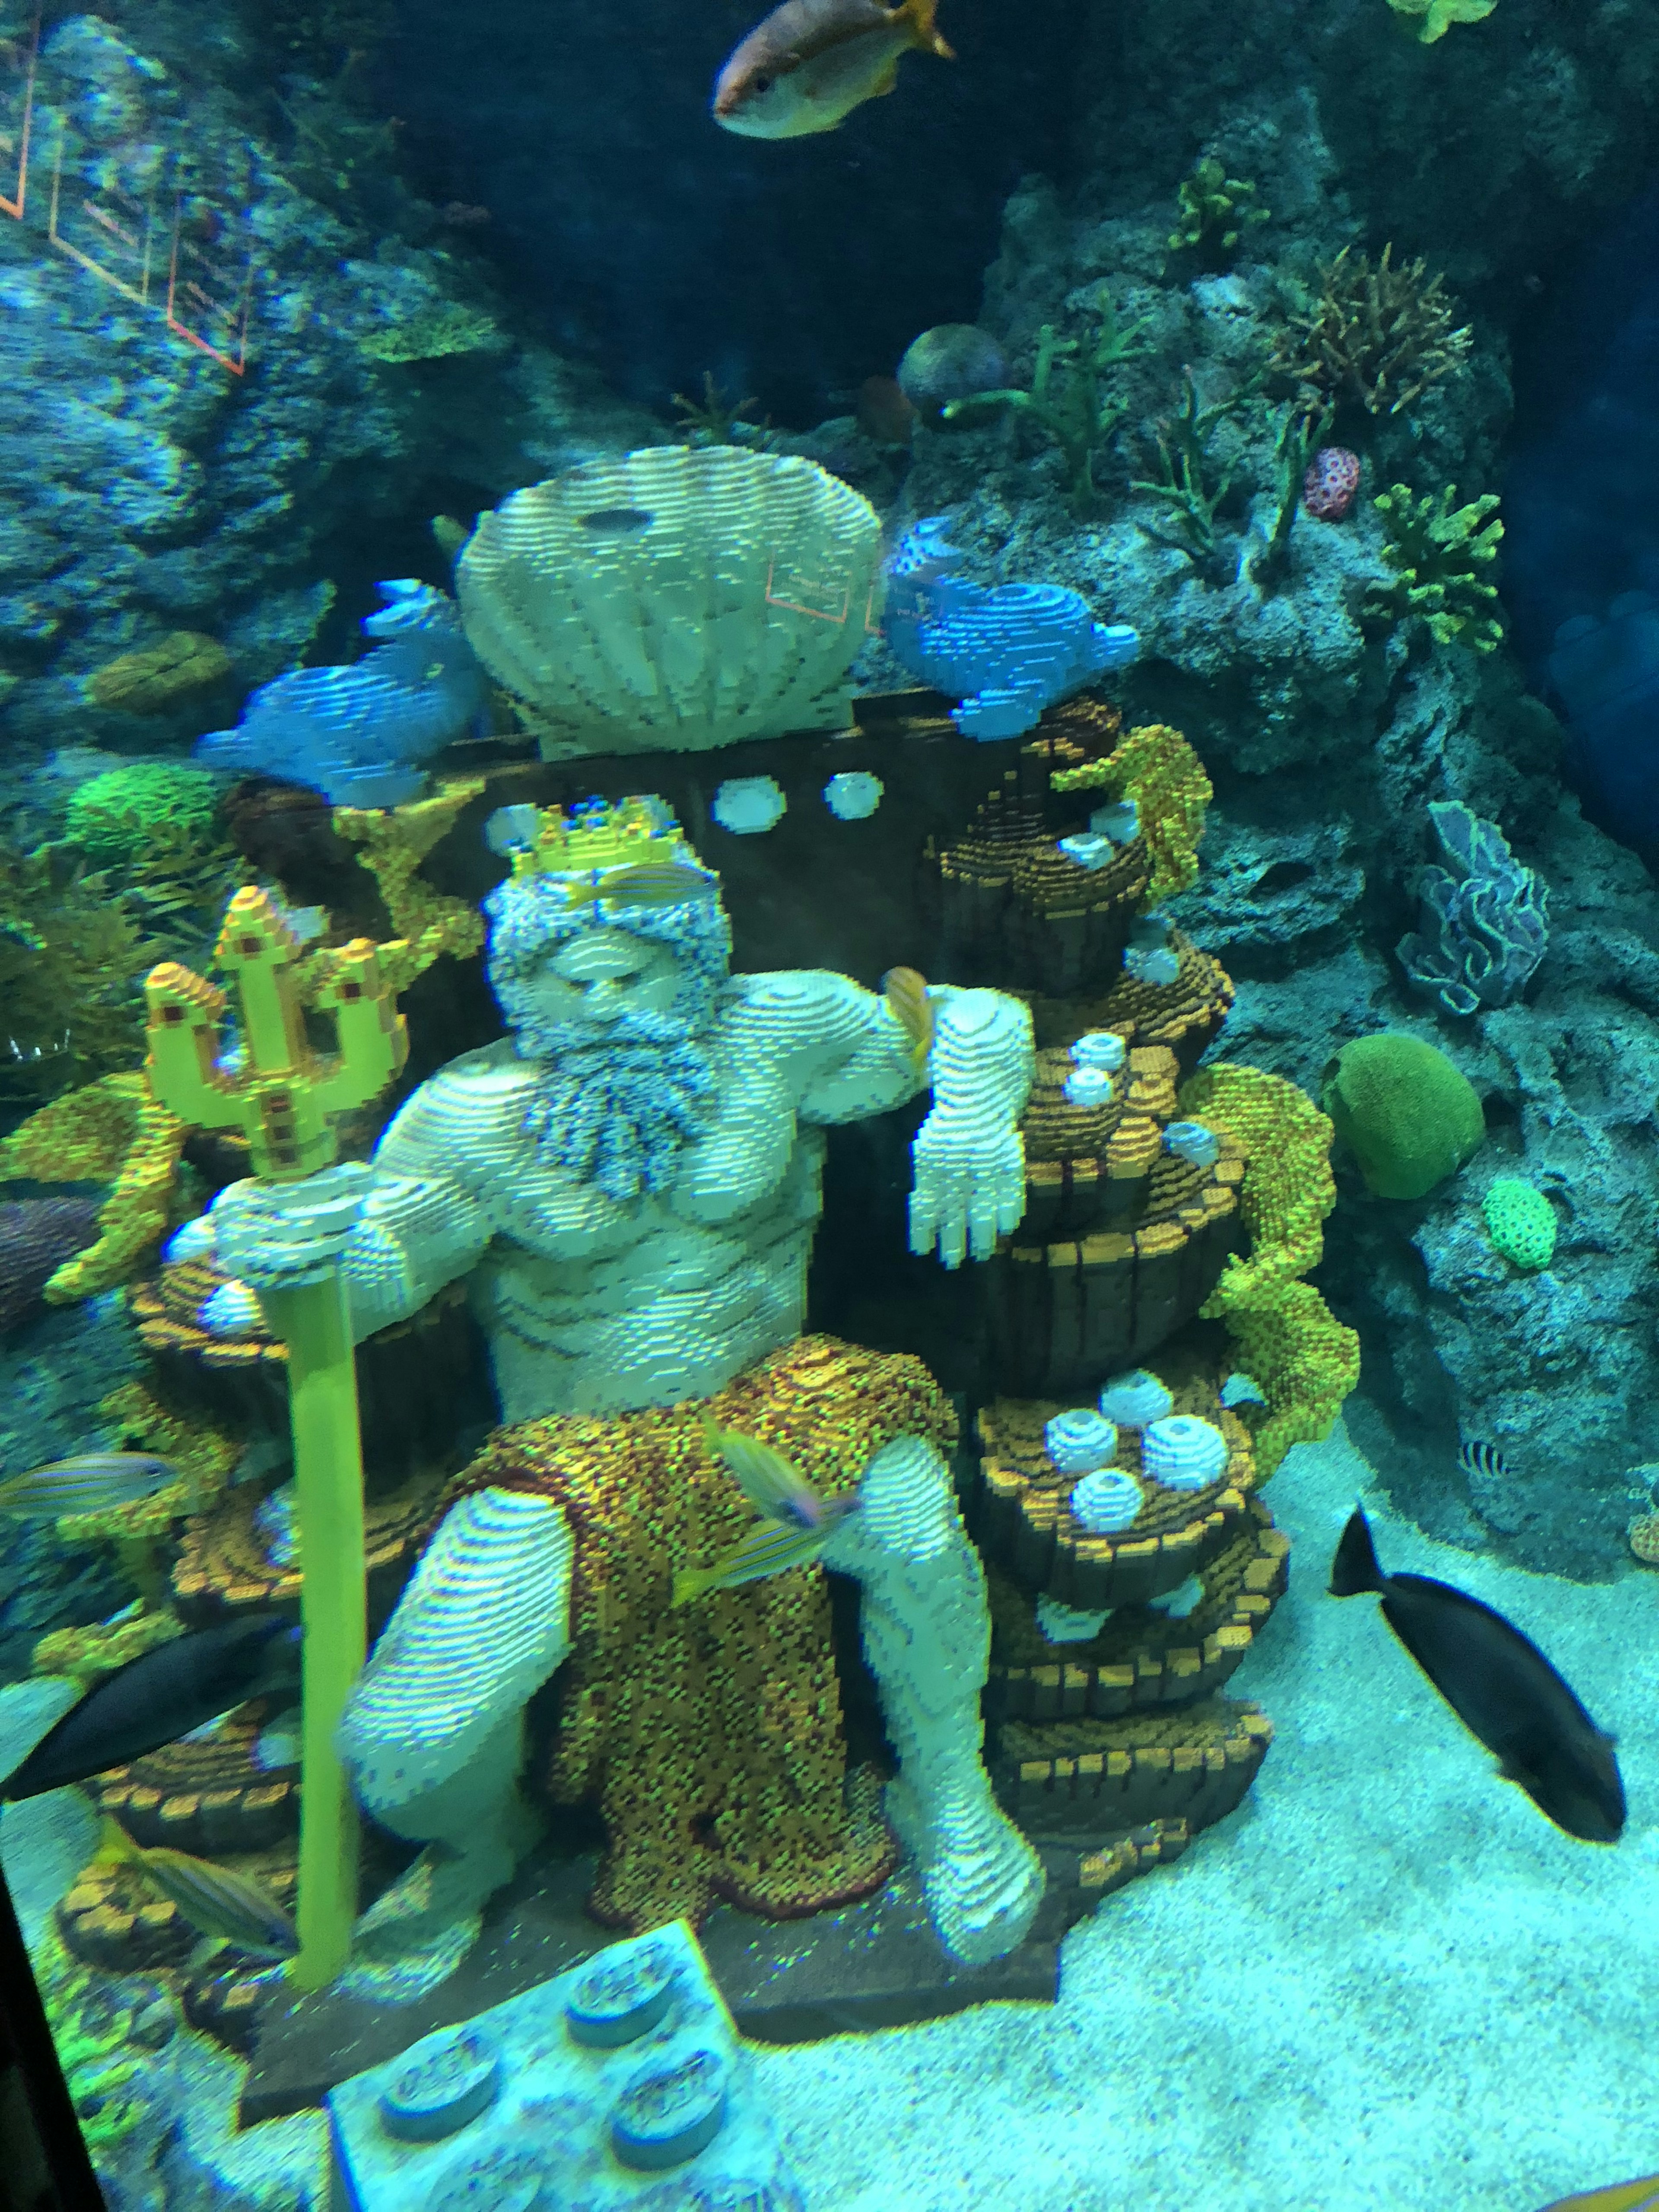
1501	1687
1485	1459
159	1697
618	522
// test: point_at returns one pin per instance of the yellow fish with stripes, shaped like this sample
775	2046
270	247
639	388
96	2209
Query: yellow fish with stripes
795	1525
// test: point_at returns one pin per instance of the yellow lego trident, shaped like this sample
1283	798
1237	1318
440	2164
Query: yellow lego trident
285	1097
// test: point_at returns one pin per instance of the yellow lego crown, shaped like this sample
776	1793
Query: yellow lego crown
592	836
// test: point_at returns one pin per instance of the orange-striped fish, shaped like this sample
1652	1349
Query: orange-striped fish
1622	2196
813	62
221	1905
906	994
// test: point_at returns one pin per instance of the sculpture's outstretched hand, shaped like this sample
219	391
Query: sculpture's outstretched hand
969	1186
277	1236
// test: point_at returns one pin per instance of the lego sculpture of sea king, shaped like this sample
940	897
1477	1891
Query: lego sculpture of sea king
631	1180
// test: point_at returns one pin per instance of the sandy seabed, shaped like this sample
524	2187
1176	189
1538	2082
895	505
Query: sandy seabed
1387	1984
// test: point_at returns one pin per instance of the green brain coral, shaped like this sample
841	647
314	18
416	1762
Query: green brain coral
1520	1222
110	816
1406	1114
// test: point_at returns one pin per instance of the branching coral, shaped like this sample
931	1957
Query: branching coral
1435	553
69	953
112	817
1069	401
1215	211
1190	485
714	420
1374	333
1156	768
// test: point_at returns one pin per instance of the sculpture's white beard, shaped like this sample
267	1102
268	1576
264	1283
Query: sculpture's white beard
615	1106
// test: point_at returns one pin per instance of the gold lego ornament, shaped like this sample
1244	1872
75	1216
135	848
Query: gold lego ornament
595	836
283	1095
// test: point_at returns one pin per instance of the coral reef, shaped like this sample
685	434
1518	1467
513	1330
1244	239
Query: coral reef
1072	401
694	565
1520	1222
1214	210
112	816
1485	927
1374	333
1437	17
1435	555
952	361
1406	1114
161	675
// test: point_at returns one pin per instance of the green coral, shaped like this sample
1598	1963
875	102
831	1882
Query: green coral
1190	486
1409	1118
111	817
1435	553
1070	402
89	2035
1213	212
1438	15
1520	1222
714	420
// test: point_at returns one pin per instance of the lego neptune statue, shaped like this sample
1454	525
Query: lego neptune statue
631	1181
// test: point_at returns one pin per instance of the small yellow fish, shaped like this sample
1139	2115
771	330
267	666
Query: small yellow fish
906	994
92	1482
770	1483
1624	2197
810	62
771	1547
647	883
220	1905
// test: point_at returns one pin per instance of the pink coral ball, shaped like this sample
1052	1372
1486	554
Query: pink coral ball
1332	480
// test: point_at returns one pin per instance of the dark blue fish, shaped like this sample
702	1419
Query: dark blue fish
160	1697
618	522
1500	1685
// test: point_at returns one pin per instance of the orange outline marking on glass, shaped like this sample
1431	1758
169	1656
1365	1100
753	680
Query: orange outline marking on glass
795	606
237	364
16	207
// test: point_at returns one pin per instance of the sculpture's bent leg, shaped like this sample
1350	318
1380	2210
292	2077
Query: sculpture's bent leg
927	1635
434	1731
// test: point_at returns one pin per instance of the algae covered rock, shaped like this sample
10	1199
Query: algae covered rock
1409	1118
151	682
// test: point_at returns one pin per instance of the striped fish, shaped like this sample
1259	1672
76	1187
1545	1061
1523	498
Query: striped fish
92	1482
771	1483
769	1548
646	883
906	995
220	1905
1483	1460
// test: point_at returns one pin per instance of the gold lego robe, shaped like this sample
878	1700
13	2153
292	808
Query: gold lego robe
710	1735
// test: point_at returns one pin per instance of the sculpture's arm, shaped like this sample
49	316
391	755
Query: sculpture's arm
401	1227
843	1055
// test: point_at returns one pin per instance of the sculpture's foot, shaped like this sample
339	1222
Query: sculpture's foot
982	1879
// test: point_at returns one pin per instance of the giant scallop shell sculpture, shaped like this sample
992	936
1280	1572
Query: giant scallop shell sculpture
674	599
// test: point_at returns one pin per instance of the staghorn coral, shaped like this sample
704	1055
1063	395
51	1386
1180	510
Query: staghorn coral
1374	334
1191	484
112	1131
1434	555
1155	767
